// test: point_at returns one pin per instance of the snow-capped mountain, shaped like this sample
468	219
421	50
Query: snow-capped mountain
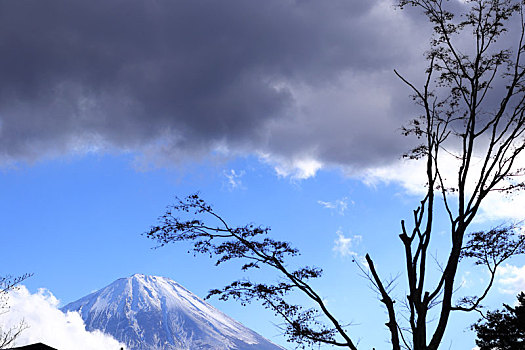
154	313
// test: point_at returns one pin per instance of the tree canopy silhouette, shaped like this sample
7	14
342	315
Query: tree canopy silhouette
472	103
502	329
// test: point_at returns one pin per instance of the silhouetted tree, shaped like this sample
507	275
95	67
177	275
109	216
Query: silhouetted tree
473	116
502	329
8	335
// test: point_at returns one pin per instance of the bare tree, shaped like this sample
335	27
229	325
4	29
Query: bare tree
473	114
8	335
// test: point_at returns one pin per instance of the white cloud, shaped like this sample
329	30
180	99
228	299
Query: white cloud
511	279
49	325
411	176
234	178
298	169
339	205
344	246
498	206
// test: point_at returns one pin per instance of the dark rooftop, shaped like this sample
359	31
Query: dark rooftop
37	346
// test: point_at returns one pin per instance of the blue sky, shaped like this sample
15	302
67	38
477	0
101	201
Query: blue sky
281	113
76	223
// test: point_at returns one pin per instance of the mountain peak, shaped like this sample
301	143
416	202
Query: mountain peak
152	312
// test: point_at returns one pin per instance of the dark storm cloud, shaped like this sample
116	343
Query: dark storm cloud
280	77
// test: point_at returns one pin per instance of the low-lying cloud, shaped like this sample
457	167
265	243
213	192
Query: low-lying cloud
48	325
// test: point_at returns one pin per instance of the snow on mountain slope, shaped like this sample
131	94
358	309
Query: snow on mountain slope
153	313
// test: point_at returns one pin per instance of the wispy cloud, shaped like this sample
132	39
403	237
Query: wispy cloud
49	325
234	178
466	280
338	205
345	246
